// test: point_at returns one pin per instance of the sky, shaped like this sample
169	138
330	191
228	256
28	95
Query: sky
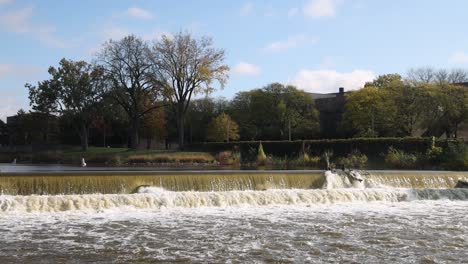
317	45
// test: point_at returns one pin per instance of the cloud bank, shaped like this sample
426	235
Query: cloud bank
328	81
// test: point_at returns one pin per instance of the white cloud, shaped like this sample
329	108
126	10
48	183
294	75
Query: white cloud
293	12
19	21
320	8
247	9
245	68
291	42
459	57
328	81
10	104
139	13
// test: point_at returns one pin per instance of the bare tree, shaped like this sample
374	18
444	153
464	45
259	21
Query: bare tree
430	75
133	79
188	66
442	76
458	76
421	75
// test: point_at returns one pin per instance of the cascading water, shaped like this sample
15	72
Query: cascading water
219	217
337	187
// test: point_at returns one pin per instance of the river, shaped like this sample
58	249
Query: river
344	222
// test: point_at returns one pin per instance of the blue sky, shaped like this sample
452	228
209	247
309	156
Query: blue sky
317	45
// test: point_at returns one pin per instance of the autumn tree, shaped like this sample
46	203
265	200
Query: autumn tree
154	125
223	128
74	90
188	66
200	112
133	79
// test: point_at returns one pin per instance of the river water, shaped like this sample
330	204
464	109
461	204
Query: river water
345	223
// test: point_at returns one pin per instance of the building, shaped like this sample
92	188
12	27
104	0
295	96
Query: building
331	107
3	134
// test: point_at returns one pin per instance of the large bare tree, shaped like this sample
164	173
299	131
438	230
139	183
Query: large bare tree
188	66
133	79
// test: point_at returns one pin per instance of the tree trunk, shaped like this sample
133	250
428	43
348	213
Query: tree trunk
84	136
134	137
148	143
180	125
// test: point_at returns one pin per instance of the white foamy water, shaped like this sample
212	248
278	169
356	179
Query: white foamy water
155	198
378	232
346	221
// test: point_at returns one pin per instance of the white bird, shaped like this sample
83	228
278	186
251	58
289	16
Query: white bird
83	163
14	161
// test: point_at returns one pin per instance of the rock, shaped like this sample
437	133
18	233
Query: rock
462	184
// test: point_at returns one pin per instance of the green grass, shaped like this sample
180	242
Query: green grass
110	156
119	156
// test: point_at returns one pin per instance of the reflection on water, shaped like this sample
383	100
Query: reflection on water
376	232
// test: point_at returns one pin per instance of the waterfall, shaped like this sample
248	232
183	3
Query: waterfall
156	198
53	183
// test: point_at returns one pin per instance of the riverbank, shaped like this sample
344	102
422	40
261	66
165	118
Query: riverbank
112	157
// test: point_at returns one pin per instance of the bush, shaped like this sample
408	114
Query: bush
228	158
261	156
455	156
371	147
353	160
400	159
433	153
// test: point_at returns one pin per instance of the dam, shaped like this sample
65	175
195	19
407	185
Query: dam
104	216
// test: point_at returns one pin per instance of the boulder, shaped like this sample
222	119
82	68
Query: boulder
462	184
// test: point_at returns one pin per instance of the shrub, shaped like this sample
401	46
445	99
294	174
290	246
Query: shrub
353	160
371	147
114	160
433	153
228	158
455	156
261	156
400	159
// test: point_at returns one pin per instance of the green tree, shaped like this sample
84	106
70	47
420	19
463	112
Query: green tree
445	109
223	128
74	90
201	112
386	80
188	66
275	112
368	112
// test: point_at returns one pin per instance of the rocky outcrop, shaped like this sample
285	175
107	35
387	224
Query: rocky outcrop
462	184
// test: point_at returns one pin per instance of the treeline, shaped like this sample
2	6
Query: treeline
134	89
427	103
132	82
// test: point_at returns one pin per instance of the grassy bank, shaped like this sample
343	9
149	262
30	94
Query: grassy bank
111	156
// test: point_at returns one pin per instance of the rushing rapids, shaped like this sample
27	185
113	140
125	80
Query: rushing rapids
337	187
63	183
324	217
